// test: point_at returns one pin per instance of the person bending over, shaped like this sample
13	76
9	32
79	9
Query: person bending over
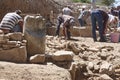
12	22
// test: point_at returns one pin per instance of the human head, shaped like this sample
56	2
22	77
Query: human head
83	7
69	6
18	12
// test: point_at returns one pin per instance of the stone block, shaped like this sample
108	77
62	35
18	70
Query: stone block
35	33
63	56
38	58
105	77
16	36
14	55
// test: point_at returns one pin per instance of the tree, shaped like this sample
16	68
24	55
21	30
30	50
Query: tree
107	2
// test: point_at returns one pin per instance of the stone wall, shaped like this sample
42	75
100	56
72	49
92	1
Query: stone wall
75	31
13	47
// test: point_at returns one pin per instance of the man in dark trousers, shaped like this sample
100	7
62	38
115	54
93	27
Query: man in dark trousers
119	18
101	17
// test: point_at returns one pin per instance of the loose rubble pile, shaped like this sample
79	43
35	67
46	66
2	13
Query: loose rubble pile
88	62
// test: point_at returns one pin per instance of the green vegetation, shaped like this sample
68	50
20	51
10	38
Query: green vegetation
83	1
107	2
102	2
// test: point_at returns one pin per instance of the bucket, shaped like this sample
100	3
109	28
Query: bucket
115	37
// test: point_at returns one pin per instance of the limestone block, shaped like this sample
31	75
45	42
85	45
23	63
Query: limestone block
14	55
105	77
92	49
16	36
106	68
117	71
3	41
90	65
11	44
5	46
103	55
1	37
1	32
96	68
81	31
74	48
72	70
38	58
34	31
63	56
82	64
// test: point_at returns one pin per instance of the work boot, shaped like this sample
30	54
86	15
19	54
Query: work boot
95	40
102	40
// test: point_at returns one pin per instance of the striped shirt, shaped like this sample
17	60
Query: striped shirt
10	20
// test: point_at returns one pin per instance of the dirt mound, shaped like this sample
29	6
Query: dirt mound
42	7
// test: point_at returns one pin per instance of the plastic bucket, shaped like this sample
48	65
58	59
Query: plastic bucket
115	37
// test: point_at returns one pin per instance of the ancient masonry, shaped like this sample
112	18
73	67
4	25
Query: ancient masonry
13	47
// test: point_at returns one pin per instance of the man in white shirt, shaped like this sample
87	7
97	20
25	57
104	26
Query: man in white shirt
67	11
112	22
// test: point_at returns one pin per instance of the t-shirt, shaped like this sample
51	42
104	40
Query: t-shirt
111	17
93	5
84	15
67	11
10	20
68	20
111	21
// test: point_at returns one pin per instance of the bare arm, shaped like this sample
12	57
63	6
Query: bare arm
21	24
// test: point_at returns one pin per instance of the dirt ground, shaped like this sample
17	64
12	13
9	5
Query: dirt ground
49	71
13	71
